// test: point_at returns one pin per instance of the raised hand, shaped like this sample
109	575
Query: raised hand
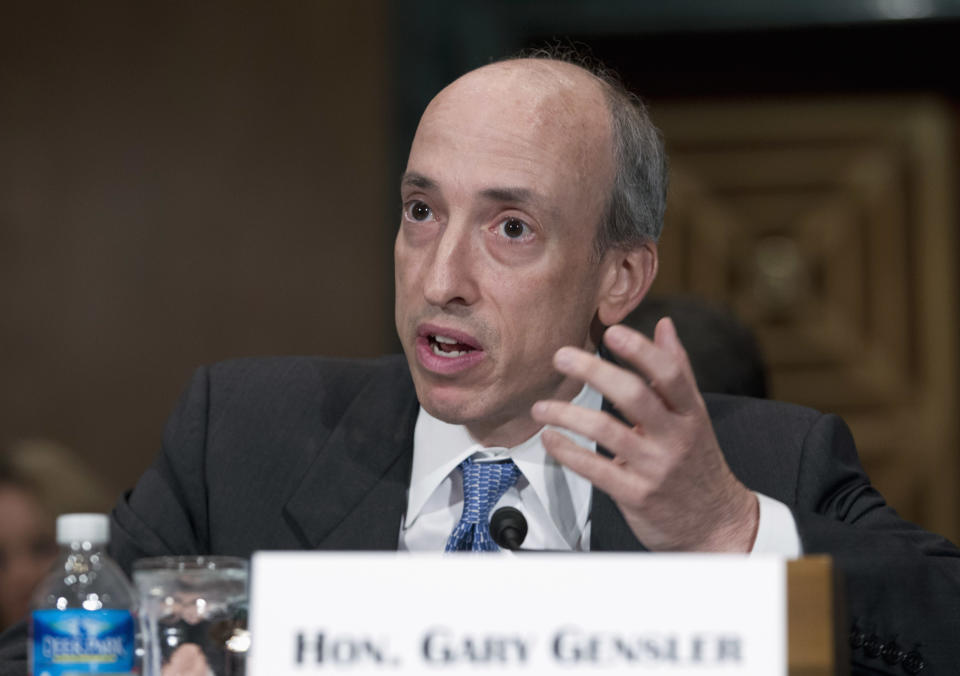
668	475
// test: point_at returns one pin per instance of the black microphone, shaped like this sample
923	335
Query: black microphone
508	528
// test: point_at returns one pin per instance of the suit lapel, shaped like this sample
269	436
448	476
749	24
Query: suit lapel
354	494
608	529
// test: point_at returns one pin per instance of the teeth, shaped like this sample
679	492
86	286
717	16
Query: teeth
451	354
445	339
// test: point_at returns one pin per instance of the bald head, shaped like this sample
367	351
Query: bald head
553	91
537	113
606	121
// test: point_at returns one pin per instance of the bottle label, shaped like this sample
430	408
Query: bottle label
82	641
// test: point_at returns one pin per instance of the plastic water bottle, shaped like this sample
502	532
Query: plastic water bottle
83	614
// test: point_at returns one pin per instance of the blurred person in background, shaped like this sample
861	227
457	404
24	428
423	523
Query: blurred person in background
39	479
723	351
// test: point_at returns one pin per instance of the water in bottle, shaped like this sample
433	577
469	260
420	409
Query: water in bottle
82	617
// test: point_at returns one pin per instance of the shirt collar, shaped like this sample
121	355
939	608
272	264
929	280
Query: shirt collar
438	447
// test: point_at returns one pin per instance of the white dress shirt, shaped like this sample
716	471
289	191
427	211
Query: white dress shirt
555	500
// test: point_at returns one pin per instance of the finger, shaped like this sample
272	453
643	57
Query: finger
627	390
624	442
664	363
616	481
665	335
187	660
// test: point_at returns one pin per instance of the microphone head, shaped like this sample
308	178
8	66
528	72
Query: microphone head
508	528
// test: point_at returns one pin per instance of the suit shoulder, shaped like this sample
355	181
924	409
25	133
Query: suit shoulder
289	371
283	386
727	409
766	442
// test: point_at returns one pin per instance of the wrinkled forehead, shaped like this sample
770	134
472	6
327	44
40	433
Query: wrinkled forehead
529	102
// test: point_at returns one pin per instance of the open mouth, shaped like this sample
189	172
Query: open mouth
451	348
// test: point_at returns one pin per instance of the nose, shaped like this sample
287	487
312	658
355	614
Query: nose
450	279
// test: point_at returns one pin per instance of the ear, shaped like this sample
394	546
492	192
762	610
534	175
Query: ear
626	277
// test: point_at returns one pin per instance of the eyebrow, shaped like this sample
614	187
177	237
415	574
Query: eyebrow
418	181
517	195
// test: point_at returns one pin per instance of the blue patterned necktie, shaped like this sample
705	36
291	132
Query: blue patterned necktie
483	484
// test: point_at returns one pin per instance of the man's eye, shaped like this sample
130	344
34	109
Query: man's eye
514	228
419	211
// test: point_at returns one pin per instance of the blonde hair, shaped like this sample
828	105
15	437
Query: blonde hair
59	479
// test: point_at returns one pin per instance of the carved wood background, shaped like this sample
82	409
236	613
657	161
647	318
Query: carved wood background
828	226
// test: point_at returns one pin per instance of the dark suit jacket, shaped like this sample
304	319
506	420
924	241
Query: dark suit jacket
312	453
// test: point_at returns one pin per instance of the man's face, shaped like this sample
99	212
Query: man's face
505	186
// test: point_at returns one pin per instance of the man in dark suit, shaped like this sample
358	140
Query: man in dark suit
532	202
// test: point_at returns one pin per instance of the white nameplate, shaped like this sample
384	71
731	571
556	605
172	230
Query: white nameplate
402	613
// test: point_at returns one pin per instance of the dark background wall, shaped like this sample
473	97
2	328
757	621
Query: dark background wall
181	183
187	182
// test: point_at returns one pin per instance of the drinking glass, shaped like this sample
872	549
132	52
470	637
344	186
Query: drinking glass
193	614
